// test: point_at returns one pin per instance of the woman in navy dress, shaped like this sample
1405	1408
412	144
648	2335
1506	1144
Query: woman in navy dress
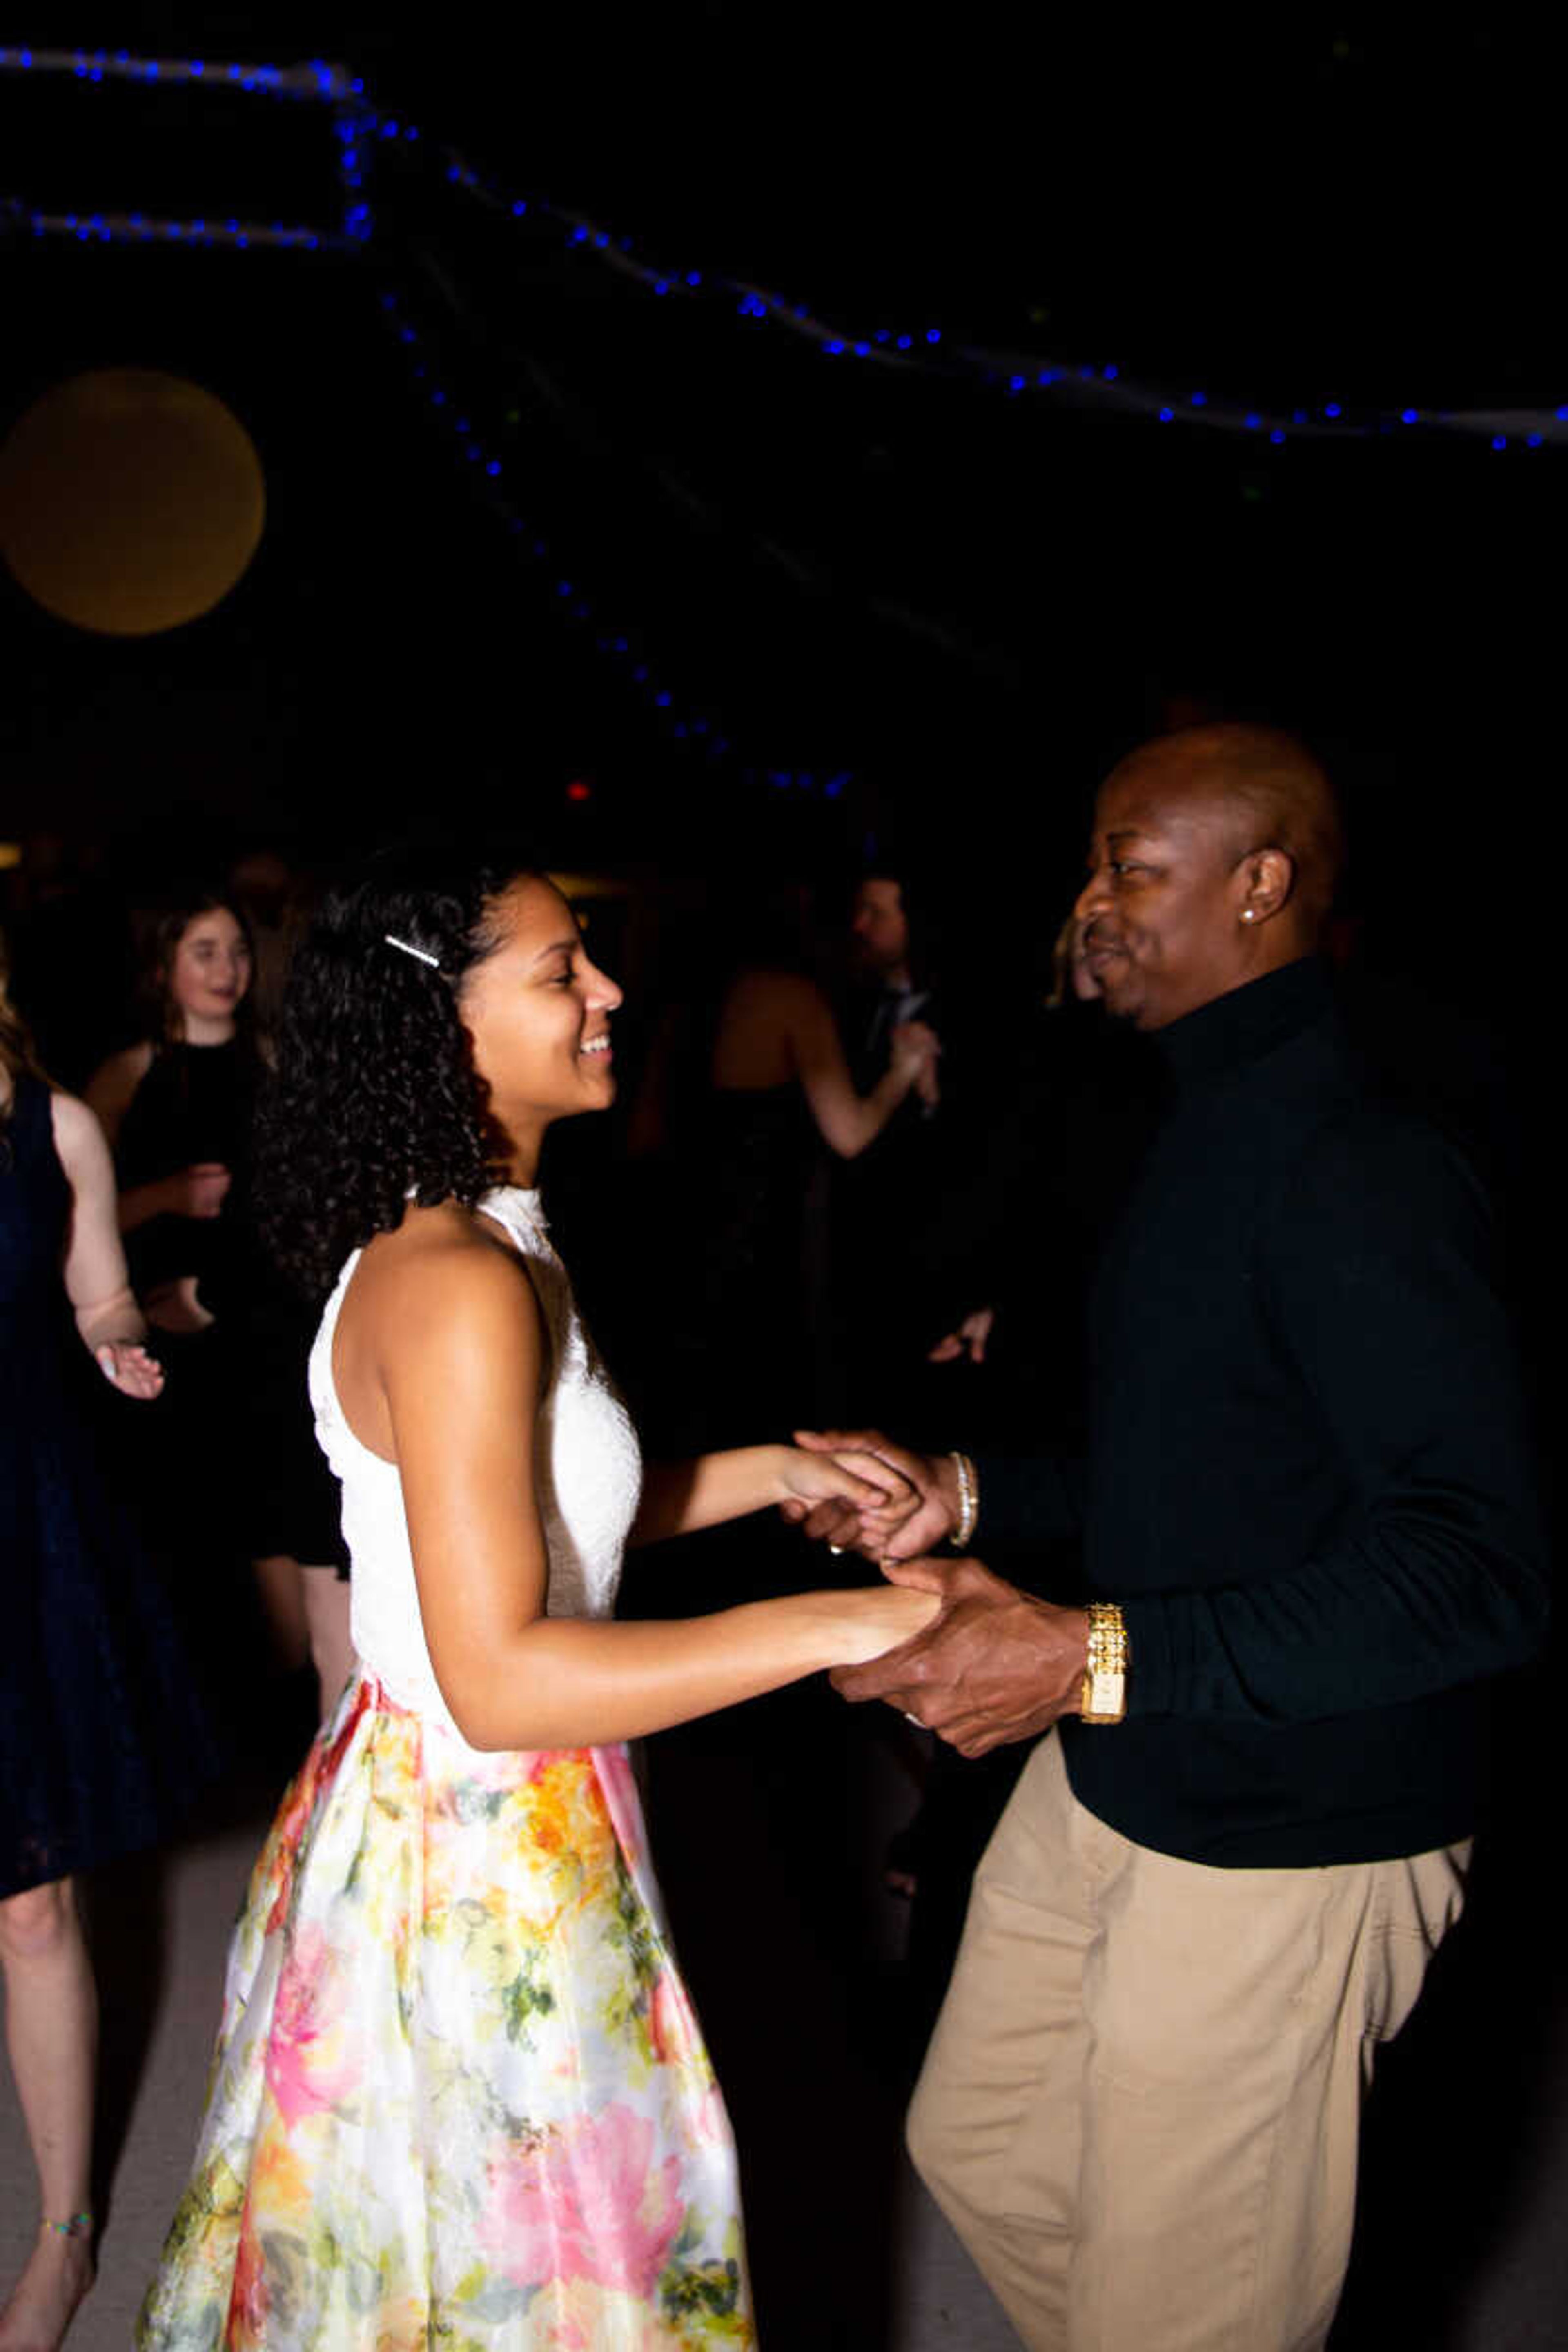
101	1740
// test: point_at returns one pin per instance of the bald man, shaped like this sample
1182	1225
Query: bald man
1309	1541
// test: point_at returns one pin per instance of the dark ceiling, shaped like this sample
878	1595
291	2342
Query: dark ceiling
914	582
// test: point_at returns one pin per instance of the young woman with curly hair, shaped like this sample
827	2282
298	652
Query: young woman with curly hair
460	2095
99	1743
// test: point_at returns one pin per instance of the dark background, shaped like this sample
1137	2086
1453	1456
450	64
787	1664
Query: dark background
970	604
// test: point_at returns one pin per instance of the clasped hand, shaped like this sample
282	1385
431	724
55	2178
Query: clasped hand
846	1496
995	1665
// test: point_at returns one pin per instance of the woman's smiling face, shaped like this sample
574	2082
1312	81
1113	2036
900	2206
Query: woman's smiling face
538	1009
209	970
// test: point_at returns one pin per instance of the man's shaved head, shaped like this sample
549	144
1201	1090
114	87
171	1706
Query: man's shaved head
1281	796
1217	856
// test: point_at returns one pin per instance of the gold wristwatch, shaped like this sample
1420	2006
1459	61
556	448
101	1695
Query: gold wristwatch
1105	1675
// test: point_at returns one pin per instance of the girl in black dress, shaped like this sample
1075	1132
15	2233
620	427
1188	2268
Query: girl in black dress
236	1469
100	1742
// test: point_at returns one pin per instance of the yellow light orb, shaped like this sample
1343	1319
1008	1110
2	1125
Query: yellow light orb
131	501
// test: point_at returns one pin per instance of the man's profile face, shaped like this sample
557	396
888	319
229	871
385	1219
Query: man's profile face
879	925
1161	911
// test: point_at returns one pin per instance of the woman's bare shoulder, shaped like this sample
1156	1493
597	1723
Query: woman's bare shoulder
765	983
117	1080
76	1126
440	1263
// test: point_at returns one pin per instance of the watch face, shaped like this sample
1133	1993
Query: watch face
1104	1697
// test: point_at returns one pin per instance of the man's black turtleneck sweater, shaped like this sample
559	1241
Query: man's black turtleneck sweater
1308	1483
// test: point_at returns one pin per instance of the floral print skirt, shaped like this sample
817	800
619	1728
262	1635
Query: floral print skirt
459	2098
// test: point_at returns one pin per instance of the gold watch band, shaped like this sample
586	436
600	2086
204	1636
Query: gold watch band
1105	1673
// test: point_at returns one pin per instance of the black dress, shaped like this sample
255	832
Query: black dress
759	1261
237	1464
103	1741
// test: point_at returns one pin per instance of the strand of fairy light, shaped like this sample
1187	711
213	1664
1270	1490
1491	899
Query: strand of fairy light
356	125
683	722
926	349
315	83
929	349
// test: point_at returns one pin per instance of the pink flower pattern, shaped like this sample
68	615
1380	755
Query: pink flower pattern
310	2004
586	2201
441	2083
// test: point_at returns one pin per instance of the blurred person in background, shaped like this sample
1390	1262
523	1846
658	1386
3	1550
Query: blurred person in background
233	1471
908	1217
101	1744
749	1091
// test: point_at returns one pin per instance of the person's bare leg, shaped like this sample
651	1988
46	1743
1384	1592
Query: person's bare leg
331	1646
51	2033
281	1582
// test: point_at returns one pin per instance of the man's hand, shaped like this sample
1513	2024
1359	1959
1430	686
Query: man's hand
994	1666
933	1477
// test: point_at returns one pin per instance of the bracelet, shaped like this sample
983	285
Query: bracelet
78	2226
1105	1674
968	1501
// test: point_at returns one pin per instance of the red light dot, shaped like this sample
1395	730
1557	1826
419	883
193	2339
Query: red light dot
579	791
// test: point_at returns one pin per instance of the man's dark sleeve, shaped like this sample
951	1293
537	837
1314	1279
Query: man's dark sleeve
1033	1500
1375	1269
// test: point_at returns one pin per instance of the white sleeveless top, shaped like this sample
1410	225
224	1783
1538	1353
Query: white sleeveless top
586	1465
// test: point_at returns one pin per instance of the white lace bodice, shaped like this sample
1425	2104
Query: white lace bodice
586	1462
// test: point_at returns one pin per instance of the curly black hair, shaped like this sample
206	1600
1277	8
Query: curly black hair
374	1098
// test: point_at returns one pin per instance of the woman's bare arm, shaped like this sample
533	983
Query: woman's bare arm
107	1315
96	1280
680	1497
845	1120
456	1337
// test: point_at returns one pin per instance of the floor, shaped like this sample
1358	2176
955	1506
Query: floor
1463	2247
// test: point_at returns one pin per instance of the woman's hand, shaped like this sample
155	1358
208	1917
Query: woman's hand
970	1340
913	1049
874	1500
127	1366
932	1515
883	1618
197	1190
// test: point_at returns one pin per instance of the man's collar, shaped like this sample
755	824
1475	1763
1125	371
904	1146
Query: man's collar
1247	1021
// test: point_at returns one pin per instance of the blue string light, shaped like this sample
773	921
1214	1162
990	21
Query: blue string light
359	122
1107	383
316	80
141	228
695	727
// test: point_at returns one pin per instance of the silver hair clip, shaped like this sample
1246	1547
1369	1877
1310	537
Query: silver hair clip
407	947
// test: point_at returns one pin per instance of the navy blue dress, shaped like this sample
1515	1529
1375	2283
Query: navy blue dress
102	1738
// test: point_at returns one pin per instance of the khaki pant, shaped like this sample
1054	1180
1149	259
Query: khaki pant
1141	2105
